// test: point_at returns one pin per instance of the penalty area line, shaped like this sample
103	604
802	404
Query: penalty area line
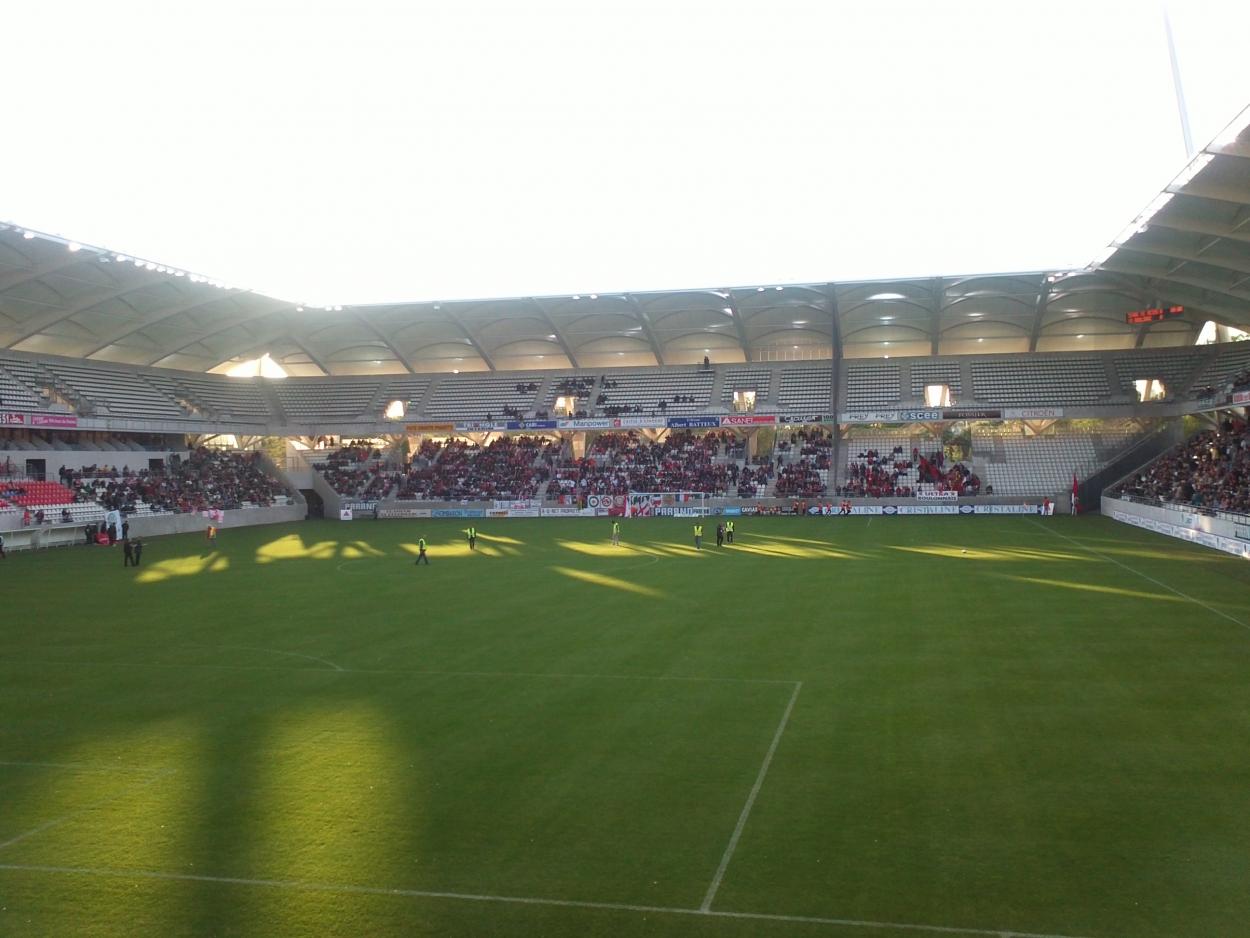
348	889
746	808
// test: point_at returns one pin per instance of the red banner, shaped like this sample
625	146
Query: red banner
748	420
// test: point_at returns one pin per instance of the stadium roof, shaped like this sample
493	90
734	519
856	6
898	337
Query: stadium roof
1190	247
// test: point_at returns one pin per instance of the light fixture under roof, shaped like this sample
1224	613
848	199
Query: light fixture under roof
1081	336
800	322
778	288
28	235
887	296
74	247
727	309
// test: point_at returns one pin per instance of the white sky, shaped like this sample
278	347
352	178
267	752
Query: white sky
373	151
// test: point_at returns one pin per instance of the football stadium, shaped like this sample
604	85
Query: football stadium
857	606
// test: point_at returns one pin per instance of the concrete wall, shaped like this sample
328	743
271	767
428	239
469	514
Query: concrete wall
1224	533
157	525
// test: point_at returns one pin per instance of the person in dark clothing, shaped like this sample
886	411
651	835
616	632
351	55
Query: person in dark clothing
720	535
137	547
112	532
128	553
125	529
90	534
2	554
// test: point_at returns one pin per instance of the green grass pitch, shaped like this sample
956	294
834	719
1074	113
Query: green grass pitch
838	727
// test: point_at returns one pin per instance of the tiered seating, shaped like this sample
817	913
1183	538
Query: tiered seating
1233	359
29	494
208	479
1174	367
872	384
581	387
758	380
478	397
641	393
805	390
125	393
1043	465
509	468
1029	382
16	395
924	373
341	399
230	397
357	471
409	390
1210	471
617	463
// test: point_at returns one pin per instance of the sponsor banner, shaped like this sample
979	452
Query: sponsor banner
13	420
732	511
1228	545
651	422
521	504
803	418
1005	509
404	513
480	426
531	424
867	510
426	426
946	494
909	416
773	510
687	423
868	416
1032	413
1241	531
972	413
345	514
749	420
457	513
53	420
585	423
560	511
359	505
749	510
1241	397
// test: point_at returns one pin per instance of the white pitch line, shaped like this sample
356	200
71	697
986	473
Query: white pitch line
157	665
126	792
746	808
1144	576
347	889
287	654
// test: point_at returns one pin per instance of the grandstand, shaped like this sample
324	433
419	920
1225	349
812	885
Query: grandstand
901	698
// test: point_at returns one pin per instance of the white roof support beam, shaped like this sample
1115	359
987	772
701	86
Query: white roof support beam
25	275
189	340
470	334
735	313
645	321
35	326
937	288
1039	313
555	331
386	339
168	312
312	357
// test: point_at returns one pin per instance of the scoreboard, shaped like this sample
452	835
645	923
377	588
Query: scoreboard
1154	314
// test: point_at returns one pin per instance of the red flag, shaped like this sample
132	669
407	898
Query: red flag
1075	486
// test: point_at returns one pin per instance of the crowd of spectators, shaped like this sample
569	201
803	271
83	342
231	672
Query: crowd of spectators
510	468
206	479
358	471
1210	471
617	463
872	474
